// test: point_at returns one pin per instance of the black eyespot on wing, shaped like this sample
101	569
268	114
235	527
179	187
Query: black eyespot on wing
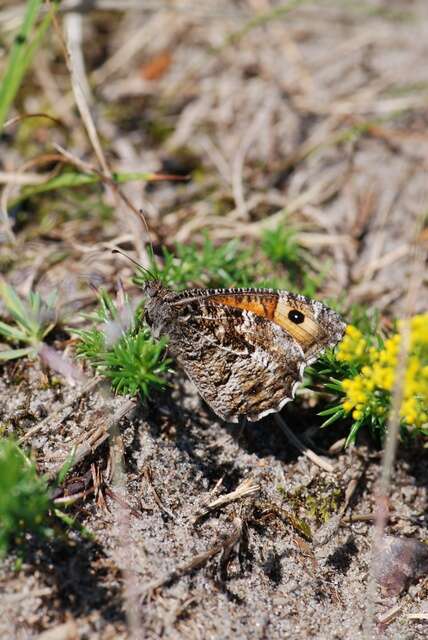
296	316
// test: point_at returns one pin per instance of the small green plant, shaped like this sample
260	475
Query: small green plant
24	497
26	503
120	348
281	246
227	265
362	375
32	318
230	265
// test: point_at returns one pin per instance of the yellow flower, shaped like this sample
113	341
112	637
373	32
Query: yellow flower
353	346
369	391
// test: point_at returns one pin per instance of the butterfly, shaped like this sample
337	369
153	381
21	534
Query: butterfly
244	349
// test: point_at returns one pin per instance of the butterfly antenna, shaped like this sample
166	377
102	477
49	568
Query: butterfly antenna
144	221
140	266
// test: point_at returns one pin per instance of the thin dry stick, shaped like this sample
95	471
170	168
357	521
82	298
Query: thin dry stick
107	179
294	440
96	438
382	498
246	488
148	474
200	559
73	26
77	83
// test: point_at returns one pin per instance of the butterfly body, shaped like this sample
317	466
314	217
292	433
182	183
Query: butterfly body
244	349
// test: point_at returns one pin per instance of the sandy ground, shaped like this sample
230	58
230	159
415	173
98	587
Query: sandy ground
320	113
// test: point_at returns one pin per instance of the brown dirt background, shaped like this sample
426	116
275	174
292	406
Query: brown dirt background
318	112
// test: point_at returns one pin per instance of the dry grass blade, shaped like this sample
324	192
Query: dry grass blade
17	178
97	437
245	489
78	82
199	560
304	450
148	474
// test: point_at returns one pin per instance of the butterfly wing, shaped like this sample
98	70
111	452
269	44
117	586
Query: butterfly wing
312	324
244	349
242	364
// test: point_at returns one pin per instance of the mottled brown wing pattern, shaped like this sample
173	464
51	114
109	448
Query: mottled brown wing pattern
245	349
242	364
319	328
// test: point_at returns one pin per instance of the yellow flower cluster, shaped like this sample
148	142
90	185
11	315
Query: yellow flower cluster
353	346
369	392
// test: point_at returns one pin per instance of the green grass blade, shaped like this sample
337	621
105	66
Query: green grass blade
12	333
71	180
334	418
18	60
39	34
14	354
18	310
68	464
71	521
352	435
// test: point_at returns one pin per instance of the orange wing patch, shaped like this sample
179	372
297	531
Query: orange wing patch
263	306
276	308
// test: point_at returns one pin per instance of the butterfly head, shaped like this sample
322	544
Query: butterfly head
156	308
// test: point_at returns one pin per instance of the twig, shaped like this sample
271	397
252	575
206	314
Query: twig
245	489
389	615
304	450
148	474
200	559
78	82
98	436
